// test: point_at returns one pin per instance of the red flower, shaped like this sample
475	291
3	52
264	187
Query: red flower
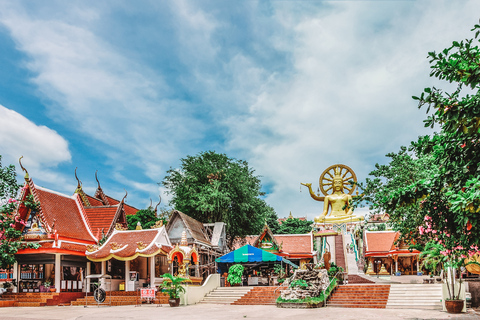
463	145
469	226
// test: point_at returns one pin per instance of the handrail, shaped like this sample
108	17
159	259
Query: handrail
334	277
281	285
355	251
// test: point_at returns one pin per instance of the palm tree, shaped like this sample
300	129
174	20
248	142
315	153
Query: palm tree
173	285
432	258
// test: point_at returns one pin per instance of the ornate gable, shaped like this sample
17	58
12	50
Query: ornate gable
266	241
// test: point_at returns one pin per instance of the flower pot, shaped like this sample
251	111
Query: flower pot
53	289
454	306
174	302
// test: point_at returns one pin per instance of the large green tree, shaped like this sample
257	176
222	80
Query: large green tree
212	187
448	197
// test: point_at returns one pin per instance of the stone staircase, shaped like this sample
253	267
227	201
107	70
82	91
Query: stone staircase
259	296
120	298
360	296
226	295
415	296
27	299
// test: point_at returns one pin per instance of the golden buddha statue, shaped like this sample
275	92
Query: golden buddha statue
334	178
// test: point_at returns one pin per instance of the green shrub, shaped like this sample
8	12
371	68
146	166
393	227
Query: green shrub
235	274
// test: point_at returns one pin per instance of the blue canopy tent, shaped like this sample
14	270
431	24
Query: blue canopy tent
250	255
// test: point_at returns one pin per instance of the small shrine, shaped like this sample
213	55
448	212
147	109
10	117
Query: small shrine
182	257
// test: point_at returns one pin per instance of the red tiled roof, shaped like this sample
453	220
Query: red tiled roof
381	241
295	243
69	221
128	209
101	218
48	247
154	239
94	202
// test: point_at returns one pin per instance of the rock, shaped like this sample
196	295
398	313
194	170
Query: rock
317	280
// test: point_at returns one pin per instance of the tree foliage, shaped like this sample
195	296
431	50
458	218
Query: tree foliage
295	226
443	203
405	168
146	217
212	187
8	183
10	237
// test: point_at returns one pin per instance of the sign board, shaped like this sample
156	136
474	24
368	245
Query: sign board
147	293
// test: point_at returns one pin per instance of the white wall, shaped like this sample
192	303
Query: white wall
195	294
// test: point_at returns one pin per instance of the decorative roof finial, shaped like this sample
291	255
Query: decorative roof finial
98	182
159	201
184	241
79	183
26	172
290	216
125	197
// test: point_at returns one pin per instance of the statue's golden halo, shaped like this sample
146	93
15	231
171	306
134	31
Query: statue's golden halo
337	171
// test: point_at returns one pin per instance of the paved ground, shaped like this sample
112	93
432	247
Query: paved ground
214	312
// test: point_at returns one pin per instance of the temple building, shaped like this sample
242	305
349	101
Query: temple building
385	257
64	226
80	235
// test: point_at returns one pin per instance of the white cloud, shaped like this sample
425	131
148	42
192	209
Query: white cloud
42	148
348	99
340	93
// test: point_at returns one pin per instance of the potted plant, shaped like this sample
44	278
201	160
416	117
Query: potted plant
235	274
48	286
172	285
435	254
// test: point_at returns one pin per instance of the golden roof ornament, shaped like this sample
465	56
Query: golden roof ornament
92	248
120	227
290	216
184	241
141	245
115	246
157	224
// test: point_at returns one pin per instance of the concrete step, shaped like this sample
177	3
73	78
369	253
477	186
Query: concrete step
415	296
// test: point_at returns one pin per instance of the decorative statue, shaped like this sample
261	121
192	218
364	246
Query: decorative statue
336	178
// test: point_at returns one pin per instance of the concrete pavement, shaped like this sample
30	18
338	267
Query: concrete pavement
214	312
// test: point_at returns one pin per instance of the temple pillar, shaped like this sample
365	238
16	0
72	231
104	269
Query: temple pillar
197	270
418	266
15	275
88	272
127	274
396	264
104	271
152	271
58	272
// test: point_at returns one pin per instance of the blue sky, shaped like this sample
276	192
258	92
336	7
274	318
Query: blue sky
128	88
